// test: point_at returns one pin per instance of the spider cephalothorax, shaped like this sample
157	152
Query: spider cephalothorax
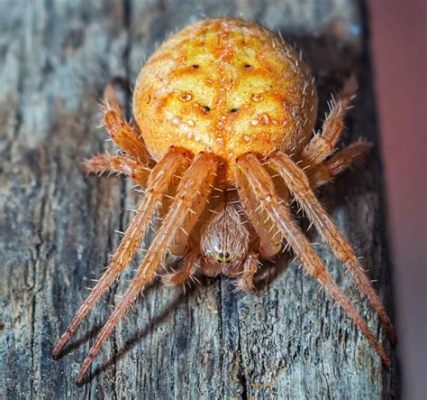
225	242
229	108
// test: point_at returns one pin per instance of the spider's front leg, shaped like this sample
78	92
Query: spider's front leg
158	183
251	176
194	186
299	185
270	239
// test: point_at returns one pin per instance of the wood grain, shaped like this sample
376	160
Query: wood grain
57	226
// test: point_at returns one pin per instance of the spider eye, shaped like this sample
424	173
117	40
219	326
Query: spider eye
223	257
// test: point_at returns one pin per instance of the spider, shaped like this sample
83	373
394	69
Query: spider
224	113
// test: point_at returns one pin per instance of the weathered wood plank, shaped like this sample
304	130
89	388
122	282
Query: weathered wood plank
57	225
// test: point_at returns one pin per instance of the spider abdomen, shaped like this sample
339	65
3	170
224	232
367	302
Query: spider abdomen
225	86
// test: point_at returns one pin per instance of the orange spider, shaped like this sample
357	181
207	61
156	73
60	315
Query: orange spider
228	108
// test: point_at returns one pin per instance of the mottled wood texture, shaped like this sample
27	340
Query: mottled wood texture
57	226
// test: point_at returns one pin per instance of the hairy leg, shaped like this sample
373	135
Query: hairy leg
299	185
180	243
126	136
197	179
269	237
157	184
323	144
251	176
326	171
106	163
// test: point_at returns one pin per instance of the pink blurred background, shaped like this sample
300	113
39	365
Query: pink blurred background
399	50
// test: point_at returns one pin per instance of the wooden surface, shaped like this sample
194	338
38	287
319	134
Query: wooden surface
57	226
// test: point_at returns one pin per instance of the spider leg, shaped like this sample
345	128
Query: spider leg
179	245
326	171
269	237
106	163
196	182
299	185
250	267
251	176
185	272
126	136
323	144
158	182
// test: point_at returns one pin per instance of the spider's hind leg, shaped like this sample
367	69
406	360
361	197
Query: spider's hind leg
326	171
323	144
106	163
125	135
